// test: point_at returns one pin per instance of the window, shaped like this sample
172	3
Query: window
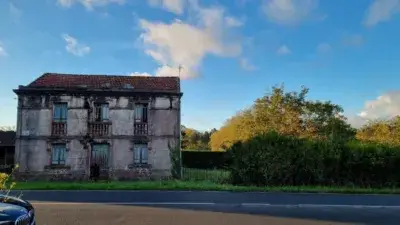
60	111
141	113
101	112
58	154
140	155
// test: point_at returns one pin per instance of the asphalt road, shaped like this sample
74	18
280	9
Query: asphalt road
335	208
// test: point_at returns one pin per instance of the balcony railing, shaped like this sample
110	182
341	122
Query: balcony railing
99	129
140	129
58	128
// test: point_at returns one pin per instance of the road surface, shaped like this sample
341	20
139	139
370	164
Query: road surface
282	208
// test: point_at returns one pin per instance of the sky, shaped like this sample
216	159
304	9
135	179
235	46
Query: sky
231	51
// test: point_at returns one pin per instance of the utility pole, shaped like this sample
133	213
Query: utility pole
179	70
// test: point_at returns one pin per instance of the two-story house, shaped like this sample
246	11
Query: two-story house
125	124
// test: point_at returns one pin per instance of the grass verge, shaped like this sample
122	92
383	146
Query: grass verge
193	185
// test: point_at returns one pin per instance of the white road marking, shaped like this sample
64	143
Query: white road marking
221	192
213	203
321	206
124	203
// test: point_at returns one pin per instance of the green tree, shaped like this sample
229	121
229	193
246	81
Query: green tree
381	131
195	140
288	113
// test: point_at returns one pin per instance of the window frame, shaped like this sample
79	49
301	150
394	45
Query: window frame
59	161
100	110
63	107
140	154
141	108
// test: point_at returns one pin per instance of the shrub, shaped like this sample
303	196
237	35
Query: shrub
6	184
205	160
272	159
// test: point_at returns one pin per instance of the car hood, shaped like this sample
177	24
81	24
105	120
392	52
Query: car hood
15	201
11	212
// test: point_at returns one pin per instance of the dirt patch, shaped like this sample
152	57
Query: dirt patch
99	214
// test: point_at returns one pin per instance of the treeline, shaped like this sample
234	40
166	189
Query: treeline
290	113
381	131
196	140
287	113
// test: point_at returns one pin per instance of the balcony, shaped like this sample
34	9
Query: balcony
99	129
140	129
59	128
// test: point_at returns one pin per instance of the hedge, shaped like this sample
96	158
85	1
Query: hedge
272	159
205	160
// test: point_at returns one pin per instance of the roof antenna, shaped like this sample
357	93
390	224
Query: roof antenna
179	70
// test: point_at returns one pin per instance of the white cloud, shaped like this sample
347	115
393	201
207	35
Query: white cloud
233	22
178	43
174	6
384	106
246	65
354	40
74	47
89	4
3	52
15	12
381	11
324	48
167	71
356	121
288	11
283	50
140	74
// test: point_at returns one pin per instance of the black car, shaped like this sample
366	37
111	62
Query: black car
15	211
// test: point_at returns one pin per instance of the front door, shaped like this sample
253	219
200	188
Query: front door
100	154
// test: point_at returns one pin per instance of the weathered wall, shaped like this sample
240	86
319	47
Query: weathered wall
165	131
36	127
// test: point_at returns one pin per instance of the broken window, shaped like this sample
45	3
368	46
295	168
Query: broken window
58	154
140	155
141	113
60	111
101	112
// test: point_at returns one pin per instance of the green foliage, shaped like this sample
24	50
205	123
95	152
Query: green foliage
273	159
205	159
381	131
194	140
287	113
176	165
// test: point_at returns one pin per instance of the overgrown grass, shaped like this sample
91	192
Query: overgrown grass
195	179
192	185
216	176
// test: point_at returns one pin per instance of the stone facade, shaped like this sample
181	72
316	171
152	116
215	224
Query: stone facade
37	133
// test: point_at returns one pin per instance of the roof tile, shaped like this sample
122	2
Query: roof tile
57	80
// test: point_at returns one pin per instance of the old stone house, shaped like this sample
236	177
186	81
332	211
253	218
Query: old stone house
125	124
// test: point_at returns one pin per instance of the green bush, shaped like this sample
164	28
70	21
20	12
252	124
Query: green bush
272	159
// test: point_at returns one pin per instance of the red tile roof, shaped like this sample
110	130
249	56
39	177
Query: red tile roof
49	80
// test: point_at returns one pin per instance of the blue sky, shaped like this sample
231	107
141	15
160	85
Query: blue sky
232	51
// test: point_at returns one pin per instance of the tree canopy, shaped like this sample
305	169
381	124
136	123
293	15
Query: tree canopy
288	113
195	140
381	131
